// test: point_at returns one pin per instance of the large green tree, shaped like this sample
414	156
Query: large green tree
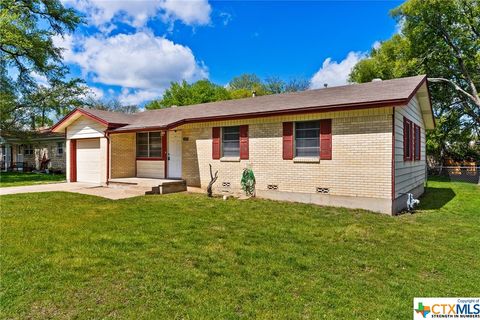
244	85
183	93
27	54
442	39
445	38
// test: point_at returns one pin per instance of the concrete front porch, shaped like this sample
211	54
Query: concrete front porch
149	185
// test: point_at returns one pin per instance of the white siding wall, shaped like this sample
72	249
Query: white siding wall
150	169
84	127
408	174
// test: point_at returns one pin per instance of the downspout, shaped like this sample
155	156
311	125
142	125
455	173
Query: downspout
108	156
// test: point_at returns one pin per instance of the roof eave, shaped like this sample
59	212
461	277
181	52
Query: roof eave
65	121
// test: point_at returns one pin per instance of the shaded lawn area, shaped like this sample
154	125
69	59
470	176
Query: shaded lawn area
187	256
14	179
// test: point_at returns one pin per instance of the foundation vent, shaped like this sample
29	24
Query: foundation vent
226	184
323	190
272	186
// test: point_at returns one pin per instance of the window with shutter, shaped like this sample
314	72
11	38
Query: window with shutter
287	140
231	141
407	140
307	142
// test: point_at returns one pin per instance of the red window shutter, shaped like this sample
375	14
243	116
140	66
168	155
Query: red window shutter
287	140
326	139
216	143
244	142
405	144
417	142
407	140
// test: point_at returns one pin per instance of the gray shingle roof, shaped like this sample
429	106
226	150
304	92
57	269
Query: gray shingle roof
111	117
388	92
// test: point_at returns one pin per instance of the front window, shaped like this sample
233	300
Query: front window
59	148
307	139
149	144
27	149
231	141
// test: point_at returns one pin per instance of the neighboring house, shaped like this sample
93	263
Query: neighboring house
357	146
26	153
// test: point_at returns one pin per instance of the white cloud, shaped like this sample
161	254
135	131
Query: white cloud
335	73
140	61
138	96
97	92
104	13
376	45
190	12
226	17
40	79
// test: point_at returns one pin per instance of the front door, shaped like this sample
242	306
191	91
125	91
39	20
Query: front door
174	154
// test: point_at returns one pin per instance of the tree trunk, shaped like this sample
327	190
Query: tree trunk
213	178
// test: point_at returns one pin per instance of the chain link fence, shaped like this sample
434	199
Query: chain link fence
456	173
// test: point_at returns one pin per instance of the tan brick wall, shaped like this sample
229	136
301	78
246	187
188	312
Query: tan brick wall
122	155
361	164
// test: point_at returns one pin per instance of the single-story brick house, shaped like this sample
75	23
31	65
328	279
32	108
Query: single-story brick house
26	152
357	146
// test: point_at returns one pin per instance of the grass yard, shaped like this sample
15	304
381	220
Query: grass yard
15	179
187	256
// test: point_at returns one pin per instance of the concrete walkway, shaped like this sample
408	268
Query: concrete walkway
77	187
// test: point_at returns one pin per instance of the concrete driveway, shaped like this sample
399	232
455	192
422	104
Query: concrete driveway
77	187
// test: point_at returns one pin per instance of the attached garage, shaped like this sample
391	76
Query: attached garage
89	161
87	151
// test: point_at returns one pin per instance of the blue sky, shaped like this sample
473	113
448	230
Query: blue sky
132	50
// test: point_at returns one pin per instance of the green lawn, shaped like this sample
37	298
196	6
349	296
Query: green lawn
186	256
14	179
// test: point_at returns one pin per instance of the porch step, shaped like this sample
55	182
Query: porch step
149	186
169	187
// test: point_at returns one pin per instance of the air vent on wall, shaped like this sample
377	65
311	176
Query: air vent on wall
272	187
323	190
226	184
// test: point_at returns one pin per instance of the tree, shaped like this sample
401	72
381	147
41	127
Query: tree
439	38
110	105
248	81
393	59
451	140
182	94
53	100
274	85
243	86
445	37
297	84
27	54
26	31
